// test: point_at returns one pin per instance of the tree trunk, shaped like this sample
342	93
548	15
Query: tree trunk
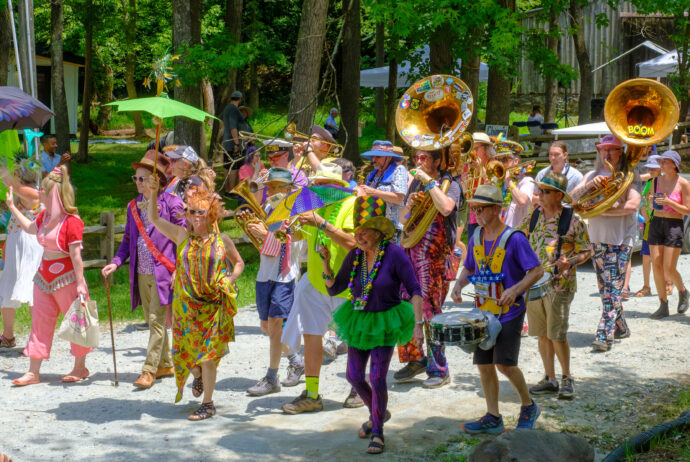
27	46
130	9
186	31
682	79
5	45
233	23
498	98
83	154
550	83
441	51
104	93
253	100
470	75
349	87
305	75
584	104
57	78
379	103
392	99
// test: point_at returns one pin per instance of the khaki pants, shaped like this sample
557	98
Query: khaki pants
158	351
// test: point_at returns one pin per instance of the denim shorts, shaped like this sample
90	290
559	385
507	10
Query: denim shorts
274	299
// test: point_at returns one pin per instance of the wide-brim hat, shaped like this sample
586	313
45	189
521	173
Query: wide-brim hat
381	149
370	213
507	148
487	194
247	109
609	140
183	152
323	133
481	137
149	162
672	156
279	175
552	183
653	161
331	172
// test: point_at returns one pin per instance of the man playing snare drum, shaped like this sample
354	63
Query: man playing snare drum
561	241
502	266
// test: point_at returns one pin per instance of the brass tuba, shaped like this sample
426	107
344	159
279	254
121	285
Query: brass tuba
432	114
244	190
640	112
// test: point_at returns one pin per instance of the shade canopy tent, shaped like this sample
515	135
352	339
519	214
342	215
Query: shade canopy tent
660	66
597	128
407	74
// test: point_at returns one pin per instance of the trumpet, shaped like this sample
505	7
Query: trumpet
293	136
528	166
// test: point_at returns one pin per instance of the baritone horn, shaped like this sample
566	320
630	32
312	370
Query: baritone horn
640	112
431	115
257	214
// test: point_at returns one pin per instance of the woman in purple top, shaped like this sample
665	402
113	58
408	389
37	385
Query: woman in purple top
151	263
374	319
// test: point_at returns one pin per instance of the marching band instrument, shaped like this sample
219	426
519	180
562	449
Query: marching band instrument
364	171
257	214
528	166
292	135
495	171
640	112
459	328
432	114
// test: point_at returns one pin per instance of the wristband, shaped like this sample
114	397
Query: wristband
511	187
323	225
431	185
328	277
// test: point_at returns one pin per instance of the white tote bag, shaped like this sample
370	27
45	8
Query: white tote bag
80	323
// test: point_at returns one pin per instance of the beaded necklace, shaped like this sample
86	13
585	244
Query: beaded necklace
367	280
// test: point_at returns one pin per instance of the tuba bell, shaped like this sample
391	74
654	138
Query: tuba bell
432	114
640	112
244	190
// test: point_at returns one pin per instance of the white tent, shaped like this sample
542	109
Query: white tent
660	66
378	77
597	128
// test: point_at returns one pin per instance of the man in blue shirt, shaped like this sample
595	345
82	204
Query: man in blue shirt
331	125
49	157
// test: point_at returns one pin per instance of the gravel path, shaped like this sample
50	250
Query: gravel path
96	420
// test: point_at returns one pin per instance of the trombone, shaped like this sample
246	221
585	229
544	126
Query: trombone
293	136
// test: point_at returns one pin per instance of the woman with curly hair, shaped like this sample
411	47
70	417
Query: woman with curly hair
204	304
60	277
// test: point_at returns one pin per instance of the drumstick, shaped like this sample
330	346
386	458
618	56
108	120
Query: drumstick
475	295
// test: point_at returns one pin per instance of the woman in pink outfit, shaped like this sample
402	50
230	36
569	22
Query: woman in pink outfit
60	277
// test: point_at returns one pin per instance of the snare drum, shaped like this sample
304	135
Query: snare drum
459	328
541	287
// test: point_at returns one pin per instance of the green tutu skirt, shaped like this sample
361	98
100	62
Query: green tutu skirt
366	330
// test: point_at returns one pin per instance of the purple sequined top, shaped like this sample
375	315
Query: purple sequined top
396	270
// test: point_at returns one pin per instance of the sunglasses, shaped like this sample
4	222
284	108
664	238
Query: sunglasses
140	179
545	191
198	213
277	155
421	157
478	210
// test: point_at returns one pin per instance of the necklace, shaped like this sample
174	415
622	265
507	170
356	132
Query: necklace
366	280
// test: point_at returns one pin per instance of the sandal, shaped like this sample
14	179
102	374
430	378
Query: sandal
197	386
365	431
625	295
205	411
6	342
374	446
76	377
644	292
35	378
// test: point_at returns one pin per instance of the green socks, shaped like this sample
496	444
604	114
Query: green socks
312	387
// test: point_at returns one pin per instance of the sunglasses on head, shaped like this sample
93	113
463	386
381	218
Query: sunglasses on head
140	179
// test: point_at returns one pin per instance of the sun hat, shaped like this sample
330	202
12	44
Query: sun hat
609	140
247	109
331	172
557	181
183	152
507	148
383	149
276	146
673	156
487	194
481	137
279	175
653	162
148	162
322	132
370	212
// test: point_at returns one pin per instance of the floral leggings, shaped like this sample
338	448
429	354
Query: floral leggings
610	264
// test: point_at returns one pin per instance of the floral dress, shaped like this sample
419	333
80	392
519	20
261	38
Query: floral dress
204	305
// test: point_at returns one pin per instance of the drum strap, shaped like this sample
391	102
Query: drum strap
495	266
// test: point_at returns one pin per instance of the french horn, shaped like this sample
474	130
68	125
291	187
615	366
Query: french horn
432	114
640	112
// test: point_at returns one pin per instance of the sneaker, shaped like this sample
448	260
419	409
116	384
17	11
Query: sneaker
264	387
353	400
600	346
342	348
566	389
142	326
303	404
487	424
621	335
411	370
436	381
544	387
528	415
293	375
330	348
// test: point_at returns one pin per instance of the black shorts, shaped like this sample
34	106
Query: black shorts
666	231
507	347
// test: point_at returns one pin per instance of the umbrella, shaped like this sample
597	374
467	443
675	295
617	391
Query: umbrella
19	110
307	199
161	107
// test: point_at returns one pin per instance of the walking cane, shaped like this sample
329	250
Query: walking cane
110	315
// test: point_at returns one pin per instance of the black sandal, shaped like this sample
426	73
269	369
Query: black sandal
374	447
205	411
197	386
366	429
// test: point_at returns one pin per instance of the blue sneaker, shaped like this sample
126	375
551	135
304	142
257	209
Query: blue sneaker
487	424
528	415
